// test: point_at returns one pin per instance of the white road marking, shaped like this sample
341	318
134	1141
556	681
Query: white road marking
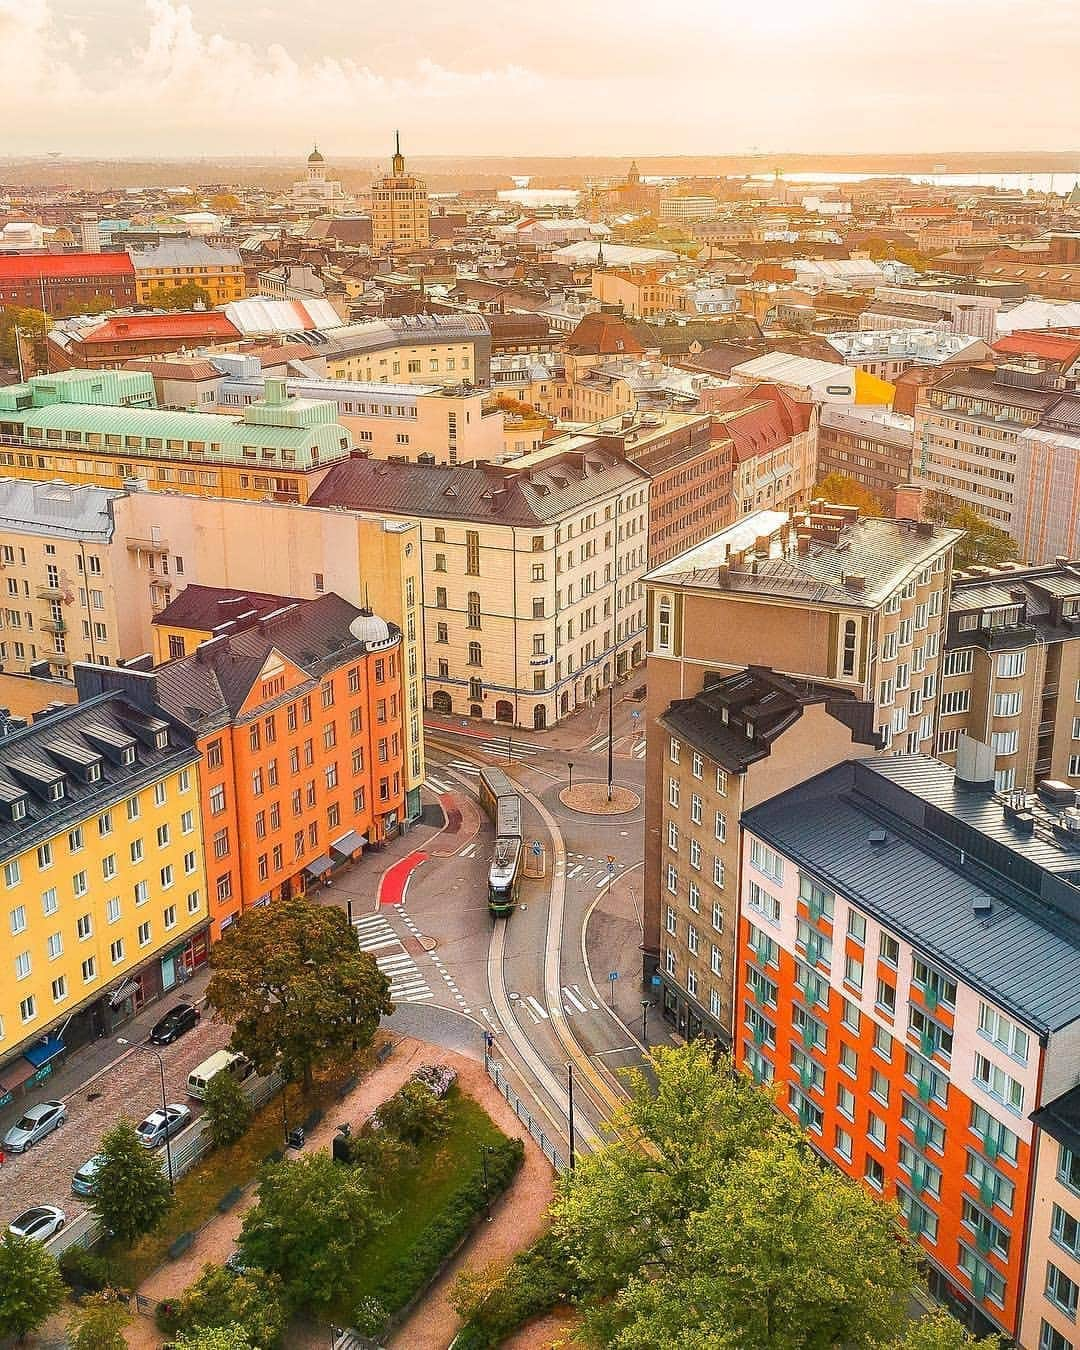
577	990
467	851
540	1011
488	1017
437	783
601	744
577	867
568	993
463	767
639	751
602	878
417	998
382	942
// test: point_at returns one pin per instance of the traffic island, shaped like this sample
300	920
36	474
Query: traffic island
591	799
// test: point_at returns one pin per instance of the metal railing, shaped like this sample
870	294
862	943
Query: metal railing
499	1078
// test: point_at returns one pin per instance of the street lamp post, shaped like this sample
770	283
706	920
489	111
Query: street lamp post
485	1149
646	1004
570	1111
610	736
149	1050
570	766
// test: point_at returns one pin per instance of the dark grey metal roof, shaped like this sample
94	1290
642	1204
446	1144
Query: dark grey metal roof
1026	956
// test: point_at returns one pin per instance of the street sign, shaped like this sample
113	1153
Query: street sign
613	974
611	869
635	714
537	848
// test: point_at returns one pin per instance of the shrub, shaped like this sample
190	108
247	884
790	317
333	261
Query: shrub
223	1298
420	1264
414	1115
84	1271
536	1281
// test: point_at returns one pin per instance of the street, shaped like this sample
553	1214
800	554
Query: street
531	981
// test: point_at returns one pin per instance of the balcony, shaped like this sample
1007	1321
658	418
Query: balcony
54	625
49	592
135	544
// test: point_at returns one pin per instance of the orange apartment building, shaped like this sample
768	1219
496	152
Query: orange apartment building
298	718
909	968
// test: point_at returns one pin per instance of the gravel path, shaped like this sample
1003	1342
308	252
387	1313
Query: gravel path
516	1221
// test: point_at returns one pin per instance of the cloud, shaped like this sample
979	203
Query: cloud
177	84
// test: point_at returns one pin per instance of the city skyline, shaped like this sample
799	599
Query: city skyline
157	77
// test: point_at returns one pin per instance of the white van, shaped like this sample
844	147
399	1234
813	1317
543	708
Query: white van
222	1061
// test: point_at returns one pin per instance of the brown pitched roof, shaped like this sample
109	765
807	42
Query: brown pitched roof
207	608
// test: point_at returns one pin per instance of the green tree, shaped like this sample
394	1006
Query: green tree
844	490
228	1109
414	1114
99	1324
219	1298
710	1225
310	1222
97	304
131	1191
187	295
225	203
216	1338
983	543
31	1289
33	324
299	992
940	1331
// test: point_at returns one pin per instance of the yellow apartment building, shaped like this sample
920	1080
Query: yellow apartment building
102	875
399	209
180	262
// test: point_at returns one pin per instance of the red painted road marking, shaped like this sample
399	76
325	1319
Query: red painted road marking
395	879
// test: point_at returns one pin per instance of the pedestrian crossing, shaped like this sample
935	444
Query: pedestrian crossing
573	1000
636	751
583	867
377	937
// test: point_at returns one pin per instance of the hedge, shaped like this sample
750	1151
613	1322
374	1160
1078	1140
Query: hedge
437	1242
537	1280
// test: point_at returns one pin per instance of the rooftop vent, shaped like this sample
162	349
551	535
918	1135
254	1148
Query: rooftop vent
982	907
878	836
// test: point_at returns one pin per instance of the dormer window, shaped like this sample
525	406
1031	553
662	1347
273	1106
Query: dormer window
56	791
127	755
161	740
18	808
93	773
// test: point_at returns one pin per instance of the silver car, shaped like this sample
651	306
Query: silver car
39	1224
161	1125
36	1122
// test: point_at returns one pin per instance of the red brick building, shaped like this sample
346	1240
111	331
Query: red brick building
109	342
64	283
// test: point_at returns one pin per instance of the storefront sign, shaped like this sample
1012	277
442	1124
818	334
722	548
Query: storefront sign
41	1074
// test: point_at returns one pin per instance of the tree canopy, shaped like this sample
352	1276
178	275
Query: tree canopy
33	325
709	1224
220	1298
843	490
131	1191
31	1289
311	1220
299	992
187	295
99	1324
233	1337
228	1109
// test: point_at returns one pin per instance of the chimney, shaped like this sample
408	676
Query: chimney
909	502
855	581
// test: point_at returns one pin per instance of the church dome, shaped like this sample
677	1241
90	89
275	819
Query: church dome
315	157
369	628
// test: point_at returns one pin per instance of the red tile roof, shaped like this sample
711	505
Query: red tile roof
1049	346
138	327
766	419
603	335
59	265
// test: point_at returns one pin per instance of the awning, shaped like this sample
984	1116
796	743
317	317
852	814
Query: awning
46	1049
318	866
349	843
16	1073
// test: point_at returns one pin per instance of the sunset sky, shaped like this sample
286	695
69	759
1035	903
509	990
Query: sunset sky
138	77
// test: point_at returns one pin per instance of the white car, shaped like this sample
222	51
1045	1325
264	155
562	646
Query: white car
161	1125
34	1124
38	1224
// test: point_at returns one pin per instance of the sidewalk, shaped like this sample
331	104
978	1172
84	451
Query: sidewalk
575	733
82	1066
613	943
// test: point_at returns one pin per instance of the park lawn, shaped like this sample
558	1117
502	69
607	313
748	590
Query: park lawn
199	1191
419	1193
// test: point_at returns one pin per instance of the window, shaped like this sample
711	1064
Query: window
1065	1230
921	1221
693	896
845	1101
882	1042
143	934
997	1139
879	1086
994	1189
116	951
673	791
718	917
889	949
874	1173
850	1016
718	871
1060	1290
28	1008
674	747
695	853
955	701
1003	1032
763	902
720	826
928	1131
168	915
217	799
818	901
1068	1168
924	1175
672	879
766	860
1009	664
112	909
1052	1339
856	925
849	1059
998	1083
89	969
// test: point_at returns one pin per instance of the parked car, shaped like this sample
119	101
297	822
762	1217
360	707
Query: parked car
161	1125
82	1183
39	1223
34	1124
176	1021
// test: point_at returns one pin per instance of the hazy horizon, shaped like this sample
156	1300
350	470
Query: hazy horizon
163	79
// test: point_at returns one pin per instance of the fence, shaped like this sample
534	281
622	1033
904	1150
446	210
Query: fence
187	1149
499	1078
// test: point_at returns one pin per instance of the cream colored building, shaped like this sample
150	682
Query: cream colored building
61	601
414	349
1011	674
531	575
426	423
1052	1264
399	209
